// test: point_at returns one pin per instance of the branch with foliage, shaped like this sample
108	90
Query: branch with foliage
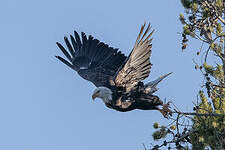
204	128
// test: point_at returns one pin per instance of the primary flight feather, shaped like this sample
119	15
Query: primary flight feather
118	78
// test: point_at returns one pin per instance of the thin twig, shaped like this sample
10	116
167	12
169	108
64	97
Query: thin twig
210	45
144	146
174	141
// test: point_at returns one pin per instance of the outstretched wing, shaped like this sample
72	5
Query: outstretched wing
92	59
137	65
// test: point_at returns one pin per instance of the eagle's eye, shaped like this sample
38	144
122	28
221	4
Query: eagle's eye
98	92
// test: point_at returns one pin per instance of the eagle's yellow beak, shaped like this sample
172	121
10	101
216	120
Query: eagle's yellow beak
94	96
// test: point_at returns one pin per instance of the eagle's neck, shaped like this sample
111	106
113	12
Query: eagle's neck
107	98
105	94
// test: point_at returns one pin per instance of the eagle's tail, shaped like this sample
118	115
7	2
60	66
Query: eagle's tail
150	87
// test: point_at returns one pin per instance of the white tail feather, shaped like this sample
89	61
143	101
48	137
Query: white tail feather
150	87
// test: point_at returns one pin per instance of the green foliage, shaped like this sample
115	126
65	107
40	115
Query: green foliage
219	29
204	106
210	129
219	3
186	29
204	20
205	13
194	7
156	125
216	72
159	134
208	68
186	3
181	17
173	127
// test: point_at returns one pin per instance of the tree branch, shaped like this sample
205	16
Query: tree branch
177	140
198	114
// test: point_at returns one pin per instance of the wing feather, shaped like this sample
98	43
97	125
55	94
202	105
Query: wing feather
137	66
92	59
69	46
64	51
75	46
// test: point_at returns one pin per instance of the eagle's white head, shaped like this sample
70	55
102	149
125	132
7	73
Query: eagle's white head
104	93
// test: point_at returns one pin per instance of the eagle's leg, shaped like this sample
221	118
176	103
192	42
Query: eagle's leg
165	110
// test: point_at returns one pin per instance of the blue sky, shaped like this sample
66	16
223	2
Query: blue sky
44	105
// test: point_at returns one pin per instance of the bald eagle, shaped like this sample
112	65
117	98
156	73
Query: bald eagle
118	78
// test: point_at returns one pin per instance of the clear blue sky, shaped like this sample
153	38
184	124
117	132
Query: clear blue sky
44	105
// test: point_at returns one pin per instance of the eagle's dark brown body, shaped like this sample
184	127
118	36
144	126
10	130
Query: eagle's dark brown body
149	102
136	99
